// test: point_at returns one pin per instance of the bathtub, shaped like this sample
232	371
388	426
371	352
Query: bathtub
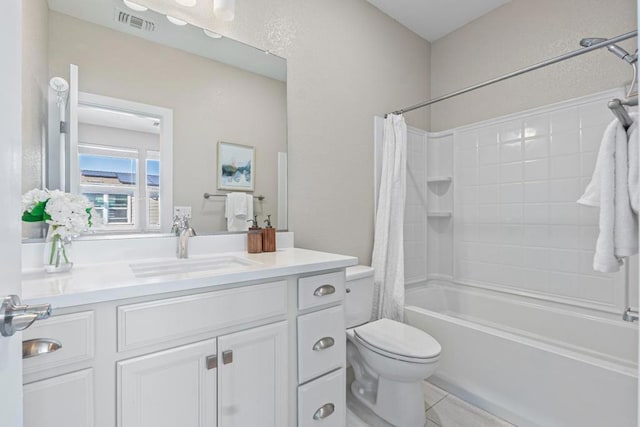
531	364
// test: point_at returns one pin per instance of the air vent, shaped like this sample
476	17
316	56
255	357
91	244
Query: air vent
133	21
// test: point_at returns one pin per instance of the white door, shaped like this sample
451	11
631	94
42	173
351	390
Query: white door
252	377
10	182
171	388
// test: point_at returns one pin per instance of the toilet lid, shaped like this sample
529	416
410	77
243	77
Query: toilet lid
399	339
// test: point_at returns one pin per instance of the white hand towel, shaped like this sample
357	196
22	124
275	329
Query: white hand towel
609	189
634	165
238	210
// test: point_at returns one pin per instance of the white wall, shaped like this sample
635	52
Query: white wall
211	102
346	62
521	33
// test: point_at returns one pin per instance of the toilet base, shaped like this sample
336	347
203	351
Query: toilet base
398	403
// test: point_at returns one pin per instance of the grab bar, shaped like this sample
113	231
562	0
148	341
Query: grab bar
630	315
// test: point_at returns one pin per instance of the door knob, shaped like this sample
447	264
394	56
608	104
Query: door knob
14	316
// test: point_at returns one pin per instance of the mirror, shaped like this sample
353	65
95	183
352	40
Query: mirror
145	103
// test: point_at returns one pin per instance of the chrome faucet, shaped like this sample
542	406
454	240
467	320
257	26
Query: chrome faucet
182	229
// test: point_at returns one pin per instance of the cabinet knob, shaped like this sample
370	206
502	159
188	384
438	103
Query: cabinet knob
227	357
324	343
212	362
324	411
324	290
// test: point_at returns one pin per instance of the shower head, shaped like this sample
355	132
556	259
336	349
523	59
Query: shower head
59	84
613	48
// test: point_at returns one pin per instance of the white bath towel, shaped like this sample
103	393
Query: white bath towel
238	211
609	189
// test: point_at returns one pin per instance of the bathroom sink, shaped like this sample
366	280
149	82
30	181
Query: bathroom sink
181	266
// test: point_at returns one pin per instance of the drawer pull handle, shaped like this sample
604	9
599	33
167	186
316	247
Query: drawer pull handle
31	348
324	411
324	290
323	344
212	362
227	357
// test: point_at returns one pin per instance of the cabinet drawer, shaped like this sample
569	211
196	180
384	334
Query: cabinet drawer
76	333
165	320
322	289
321	343
322	402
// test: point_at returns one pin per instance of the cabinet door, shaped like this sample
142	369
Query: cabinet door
65	400
252	377
169	388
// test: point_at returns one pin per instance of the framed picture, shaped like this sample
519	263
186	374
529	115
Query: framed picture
236	167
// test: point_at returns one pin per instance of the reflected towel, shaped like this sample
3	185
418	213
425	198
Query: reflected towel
609	189
238	211
634	165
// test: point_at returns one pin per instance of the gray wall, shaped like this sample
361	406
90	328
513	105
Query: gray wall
522	33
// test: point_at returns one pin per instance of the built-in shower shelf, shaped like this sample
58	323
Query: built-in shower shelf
439	214
439	179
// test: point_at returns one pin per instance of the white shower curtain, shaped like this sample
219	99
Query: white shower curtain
388	250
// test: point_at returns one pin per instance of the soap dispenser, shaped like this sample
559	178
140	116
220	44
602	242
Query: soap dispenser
268	236
254	237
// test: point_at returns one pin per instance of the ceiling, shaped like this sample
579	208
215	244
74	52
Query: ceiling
432	19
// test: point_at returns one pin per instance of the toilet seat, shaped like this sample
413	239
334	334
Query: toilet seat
397	340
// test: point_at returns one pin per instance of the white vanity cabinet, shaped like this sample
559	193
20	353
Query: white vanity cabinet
264	353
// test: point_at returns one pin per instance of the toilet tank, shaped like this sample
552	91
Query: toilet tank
359	296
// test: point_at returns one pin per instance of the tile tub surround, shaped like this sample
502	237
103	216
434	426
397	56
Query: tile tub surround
516	226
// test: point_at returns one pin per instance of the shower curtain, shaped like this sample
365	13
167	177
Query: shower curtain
388	250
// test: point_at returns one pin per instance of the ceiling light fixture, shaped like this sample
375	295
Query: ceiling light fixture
212	34
135	6
187	3
176	21
224	10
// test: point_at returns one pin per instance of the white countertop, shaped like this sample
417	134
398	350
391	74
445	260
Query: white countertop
94	283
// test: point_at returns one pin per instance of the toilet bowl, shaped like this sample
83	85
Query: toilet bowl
390	359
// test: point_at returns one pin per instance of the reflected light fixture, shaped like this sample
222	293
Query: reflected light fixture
187	3
212	34
224	10
135	6
176	21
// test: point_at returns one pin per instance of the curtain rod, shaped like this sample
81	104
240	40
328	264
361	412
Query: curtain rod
534	67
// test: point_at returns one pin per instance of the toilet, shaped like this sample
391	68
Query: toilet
390	359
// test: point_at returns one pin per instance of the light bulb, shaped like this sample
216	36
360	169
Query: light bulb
224	10
176	21
212	34
135	6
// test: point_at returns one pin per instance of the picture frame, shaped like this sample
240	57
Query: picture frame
236	167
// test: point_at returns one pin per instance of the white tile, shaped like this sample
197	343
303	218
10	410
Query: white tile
536	258
466	140
511	130
536	235
454	412
432	394
565	190
488	135
590	139
467	176
535	170
565	120
563	213
511	152
594	114
511	213
511	234
488	174
488	194
536	148
511	193
536	213
565	166
564	236
488	154
467	159
488	214
536	191
565	143
589	215
588	163
537	125
511	172
566	261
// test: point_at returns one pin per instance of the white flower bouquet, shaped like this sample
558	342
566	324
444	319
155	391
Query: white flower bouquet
68	215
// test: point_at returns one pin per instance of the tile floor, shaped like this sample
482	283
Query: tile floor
443	410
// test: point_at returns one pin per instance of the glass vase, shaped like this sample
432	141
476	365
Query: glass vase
56	253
